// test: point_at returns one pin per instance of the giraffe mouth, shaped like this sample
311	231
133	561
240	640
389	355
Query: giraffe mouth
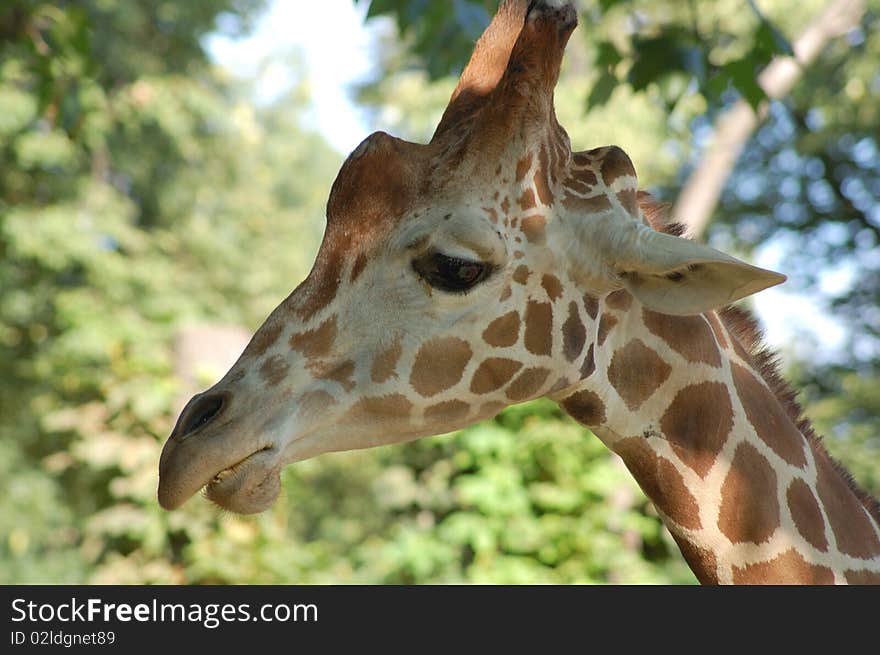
231	470
248	486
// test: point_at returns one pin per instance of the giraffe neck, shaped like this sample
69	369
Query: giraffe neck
747	495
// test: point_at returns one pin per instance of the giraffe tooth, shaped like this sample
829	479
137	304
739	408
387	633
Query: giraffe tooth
222	475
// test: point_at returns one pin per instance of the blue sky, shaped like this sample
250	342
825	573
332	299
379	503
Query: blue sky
337	49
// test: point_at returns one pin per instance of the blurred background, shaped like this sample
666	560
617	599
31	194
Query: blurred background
164	167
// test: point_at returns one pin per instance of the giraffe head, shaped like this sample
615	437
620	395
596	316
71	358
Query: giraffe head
454	278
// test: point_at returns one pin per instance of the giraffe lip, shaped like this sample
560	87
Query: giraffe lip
248	486
231	471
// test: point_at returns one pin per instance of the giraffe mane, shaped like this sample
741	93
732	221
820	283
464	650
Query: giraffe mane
745	328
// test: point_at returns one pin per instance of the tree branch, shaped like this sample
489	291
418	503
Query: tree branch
699	196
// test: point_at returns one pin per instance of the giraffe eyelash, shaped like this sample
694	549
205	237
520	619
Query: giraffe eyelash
450	274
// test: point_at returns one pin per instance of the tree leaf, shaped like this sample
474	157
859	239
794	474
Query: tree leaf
659	56
601	91
743	74
607	54
608	4
768	36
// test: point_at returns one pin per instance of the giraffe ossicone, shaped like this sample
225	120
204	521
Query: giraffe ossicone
494	265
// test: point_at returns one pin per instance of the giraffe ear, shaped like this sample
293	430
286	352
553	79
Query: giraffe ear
675	276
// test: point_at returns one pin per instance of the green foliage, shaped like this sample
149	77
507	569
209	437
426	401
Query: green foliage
441	31
132	202
664	41
141	193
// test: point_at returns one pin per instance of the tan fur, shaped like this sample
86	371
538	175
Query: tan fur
788	566
697	436
439	365
749	507
661	481
636	372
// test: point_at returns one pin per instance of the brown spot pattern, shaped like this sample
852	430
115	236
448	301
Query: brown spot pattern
788	568
585	176
585	407
807	516
452	411
544	166
616	163
697	424
768	418
385	363
583	180
523	166
314	402
849	521
392	406
543	188
619	300
589	365
317	342
521	274
439	365
503	331
607	322
749	507
274	369
636	372
689	336
578	186
527	384
533	228
661	482
552	286
340	373
322	284
591	305
265	337
862	577
582	158
493	373
701	561
527	199
539	328
574	334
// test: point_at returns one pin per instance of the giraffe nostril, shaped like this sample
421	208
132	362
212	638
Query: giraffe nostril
201	410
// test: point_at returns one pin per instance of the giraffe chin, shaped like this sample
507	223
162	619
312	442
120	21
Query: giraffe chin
249	487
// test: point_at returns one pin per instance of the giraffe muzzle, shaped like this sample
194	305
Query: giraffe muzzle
210	449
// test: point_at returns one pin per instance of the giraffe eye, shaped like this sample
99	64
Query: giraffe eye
452	274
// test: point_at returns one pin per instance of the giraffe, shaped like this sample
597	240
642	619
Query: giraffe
495	265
